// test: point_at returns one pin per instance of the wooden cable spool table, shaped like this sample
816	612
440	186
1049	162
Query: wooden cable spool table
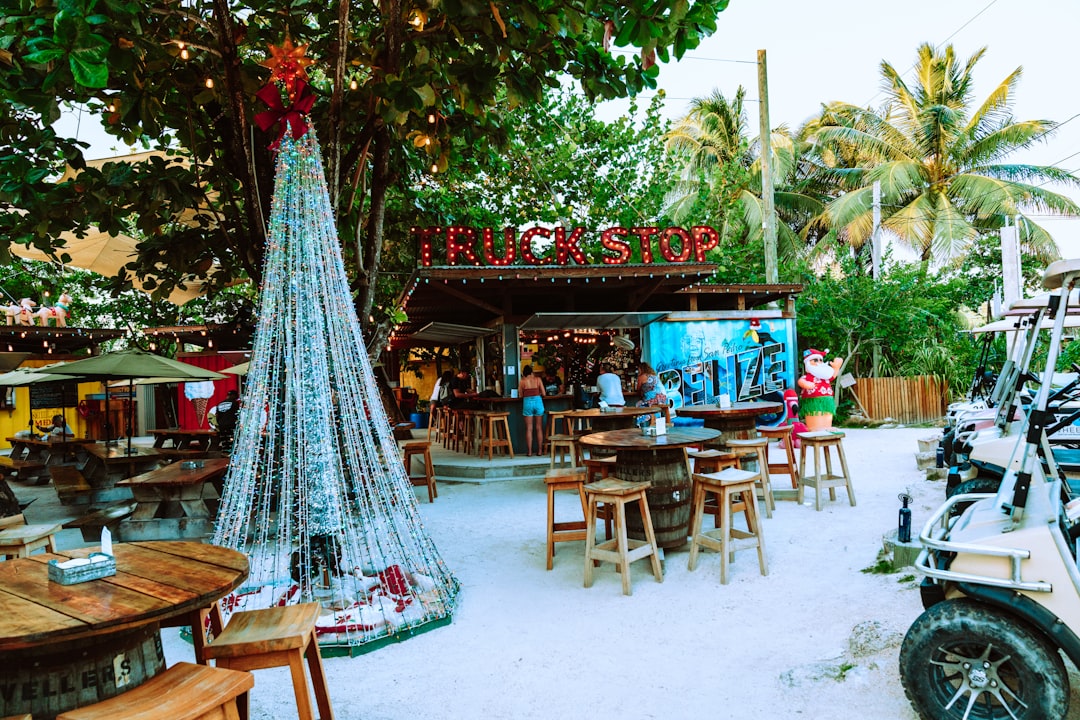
738	422
661	460
67	646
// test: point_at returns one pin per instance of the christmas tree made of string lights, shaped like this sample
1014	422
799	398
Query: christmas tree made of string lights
316	494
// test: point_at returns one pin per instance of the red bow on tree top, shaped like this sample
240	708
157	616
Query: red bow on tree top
291	116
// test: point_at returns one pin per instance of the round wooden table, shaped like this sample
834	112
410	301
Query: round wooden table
736	422
661	460
620	419
67	646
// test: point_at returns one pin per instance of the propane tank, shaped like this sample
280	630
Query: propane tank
903	531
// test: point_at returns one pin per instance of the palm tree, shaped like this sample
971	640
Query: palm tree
939	162
722	169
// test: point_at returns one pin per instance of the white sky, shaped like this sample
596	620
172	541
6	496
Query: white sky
824	50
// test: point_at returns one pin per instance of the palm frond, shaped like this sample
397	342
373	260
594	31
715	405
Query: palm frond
898	179
913	223
953	234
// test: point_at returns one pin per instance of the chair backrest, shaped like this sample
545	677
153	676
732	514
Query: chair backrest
12	521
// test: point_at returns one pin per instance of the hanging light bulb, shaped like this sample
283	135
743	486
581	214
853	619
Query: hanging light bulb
431	118
210	83
434	167
184	55
352	84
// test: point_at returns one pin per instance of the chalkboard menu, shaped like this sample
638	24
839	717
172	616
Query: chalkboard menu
54	395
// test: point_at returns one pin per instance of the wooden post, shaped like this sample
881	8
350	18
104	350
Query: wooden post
768	210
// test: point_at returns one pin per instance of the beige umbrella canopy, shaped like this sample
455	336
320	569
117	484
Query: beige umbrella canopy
103	253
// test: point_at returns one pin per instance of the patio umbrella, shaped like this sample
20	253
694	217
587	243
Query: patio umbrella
241	369
130	365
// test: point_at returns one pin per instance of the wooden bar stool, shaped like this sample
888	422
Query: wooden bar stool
184	691
759	448
423	451
18	540
564	445
554	416
789	467
823	442
621	550
711	461
277	637
598	468
726	484
568	530
495	433
433	424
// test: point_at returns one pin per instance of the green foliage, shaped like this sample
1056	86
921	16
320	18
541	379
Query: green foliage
908	315
402	91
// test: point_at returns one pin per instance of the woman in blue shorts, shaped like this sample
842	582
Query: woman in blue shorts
531	389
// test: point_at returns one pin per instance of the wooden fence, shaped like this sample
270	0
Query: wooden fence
922	398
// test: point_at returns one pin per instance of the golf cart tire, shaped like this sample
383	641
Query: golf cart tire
962	660
980	484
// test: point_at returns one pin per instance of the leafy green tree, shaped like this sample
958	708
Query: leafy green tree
909	315
400	86
941	162
721	180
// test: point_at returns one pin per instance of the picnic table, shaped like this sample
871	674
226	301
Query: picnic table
108	464
181	439
67	646
171	501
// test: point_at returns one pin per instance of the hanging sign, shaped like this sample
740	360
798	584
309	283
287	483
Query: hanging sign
460	245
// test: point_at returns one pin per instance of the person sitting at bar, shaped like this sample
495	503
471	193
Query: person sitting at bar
58	430
461	391
610	386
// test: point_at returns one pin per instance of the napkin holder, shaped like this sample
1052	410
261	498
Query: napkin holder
192	464
657	428
94	567
605	408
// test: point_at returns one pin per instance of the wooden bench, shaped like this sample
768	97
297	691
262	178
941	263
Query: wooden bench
184	691
71	486
109	516
23	469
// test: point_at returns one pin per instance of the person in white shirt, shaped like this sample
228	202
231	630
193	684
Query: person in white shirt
610	386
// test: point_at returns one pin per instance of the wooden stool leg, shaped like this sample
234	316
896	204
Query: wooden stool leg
696	520
590	542
318	679
620	531
753	522
300	688
725	533
817	477
828	470
802	473
650	537
789	452
766	481
551	526
847	475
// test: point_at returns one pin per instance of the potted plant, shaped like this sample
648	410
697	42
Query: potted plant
419	418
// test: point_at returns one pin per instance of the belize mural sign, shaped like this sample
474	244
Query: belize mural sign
698	361
461	245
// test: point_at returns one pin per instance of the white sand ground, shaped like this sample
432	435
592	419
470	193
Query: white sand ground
817	639
527	644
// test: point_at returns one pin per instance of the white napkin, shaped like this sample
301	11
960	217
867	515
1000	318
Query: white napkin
106	541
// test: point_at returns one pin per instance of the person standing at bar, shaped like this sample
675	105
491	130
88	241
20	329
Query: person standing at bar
531	389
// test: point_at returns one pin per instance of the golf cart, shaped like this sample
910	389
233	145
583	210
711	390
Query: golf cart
1001	586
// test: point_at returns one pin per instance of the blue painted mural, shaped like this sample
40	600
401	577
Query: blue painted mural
699	361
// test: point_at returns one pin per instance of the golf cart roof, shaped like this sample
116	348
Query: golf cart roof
1056	273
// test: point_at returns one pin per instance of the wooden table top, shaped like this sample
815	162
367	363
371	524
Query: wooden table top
176	474
181	432
46	442
632	439
595	412
737	410
117	454
153	581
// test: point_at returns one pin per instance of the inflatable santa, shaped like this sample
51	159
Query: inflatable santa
816	401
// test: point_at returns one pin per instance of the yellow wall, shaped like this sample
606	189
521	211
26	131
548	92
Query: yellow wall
15	419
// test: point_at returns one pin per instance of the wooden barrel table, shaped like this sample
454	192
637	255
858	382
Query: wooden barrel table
736	422
68	646
660	460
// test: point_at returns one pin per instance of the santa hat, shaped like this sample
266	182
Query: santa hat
807	354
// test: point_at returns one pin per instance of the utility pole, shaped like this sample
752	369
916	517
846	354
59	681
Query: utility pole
875	236
768	209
